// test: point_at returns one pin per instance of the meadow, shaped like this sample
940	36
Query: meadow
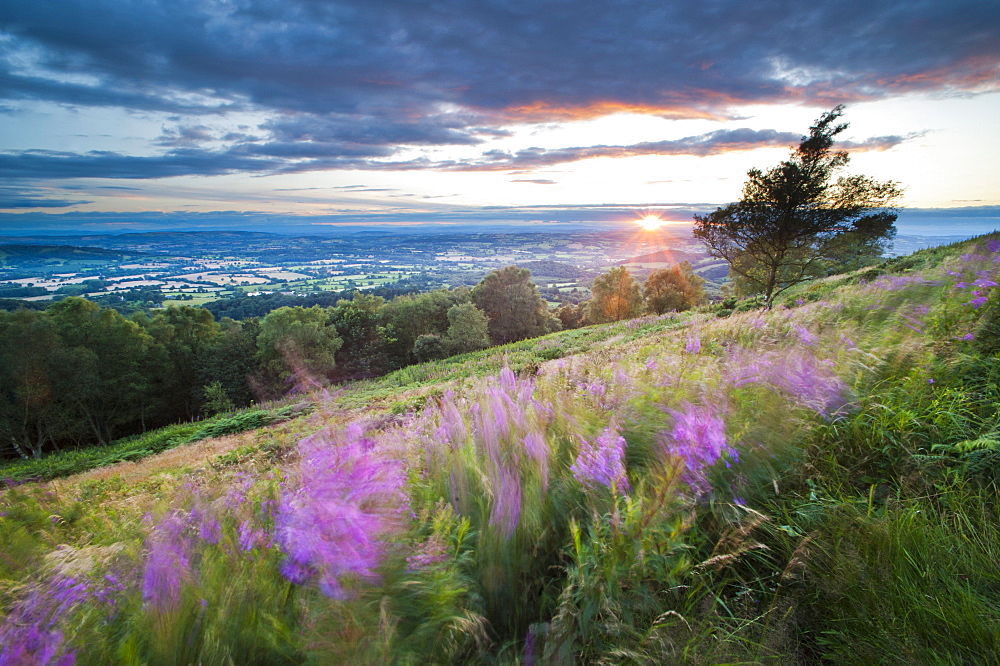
815	483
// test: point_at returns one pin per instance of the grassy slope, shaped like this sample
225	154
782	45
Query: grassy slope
856	520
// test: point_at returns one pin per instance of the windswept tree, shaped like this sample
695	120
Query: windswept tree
676	288
513	306
616	296
795	222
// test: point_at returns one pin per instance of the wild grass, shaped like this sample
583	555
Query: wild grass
138	447
813	484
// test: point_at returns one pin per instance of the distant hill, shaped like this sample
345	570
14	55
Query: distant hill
18	254
713	271
662	257
556	269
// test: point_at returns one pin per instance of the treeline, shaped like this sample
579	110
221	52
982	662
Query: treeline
78	374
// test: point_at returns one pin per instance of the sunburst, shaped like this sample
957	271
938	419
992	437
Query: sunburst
651	222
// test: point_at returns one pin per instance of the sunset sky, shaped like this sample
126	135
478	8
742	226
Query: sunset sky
185	112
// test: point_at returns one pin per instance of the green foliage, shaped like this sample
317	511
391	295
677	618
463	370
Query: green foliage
677	288
468	329
513	306
616	296
137	447
297	347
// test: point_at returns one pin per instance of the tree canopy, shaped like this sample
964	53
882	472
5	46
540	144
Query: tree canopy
676	288
513	306
795	222
616	296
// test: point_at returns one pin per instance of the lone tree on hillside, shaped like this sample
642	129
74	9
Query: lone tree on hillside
794	222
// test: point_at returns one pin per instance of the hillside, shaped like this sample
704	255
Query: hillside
17	255
817	483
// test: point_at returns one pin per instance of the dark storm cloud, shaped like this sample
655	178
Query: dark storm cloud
353	80
394	59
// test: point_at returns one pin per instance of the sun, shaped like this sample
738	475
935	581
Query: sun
651	222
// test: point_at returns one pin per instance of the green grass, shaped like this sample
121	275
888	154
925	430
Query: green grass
137	447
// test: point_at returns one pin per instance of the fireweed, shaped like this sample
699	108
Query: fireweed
30	633
698	441
168	565
808	381
332	522
602	462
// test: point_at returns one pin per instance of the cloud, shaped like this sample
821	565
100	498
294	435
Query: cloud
304	156
535	181
357	84
19	197
519	59
28	202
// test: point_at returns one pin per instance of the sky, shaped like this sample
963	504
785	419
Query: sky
141	114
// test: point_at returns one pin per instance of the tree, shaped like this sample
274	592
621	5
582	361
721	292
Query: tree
429	347
616	296
187	336
103	368
677	288
513	306
298	344
406	318
468	330
358	323
794	222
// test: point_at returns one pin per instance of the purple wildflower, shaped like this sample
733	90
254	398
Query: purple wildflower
250	537
984	283
651	364
698	439
168	564
810	382
534	444
331	524
210	529
431	552
529	648
978	302
693	345
506	512
28	632
507	378
993	245
603	462
804	335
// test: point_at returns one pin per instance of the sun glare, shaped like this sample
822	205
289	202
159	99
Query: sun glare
651	222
